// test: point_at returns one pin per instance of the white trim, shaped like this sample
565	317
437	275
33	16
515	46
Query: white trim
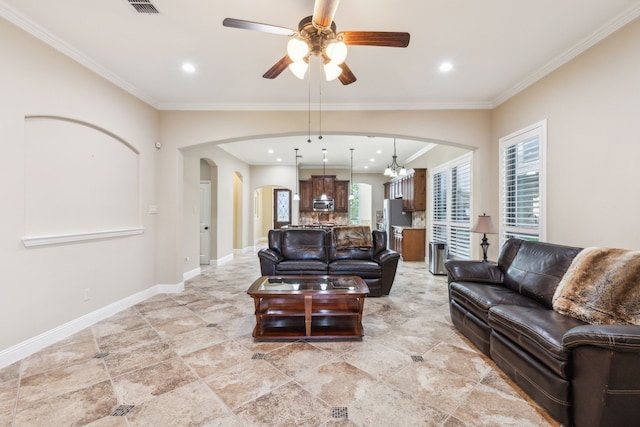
32	345
223	260
191	274
77	237
539	128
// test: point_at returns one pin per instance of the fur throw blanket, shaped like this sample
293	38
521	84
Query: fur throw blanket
354	237
602	286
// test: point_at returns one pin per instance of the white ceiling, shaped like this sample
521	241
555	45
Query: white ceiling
497	48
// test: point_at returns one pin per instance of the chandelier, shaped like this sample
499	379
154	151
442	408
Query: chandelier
394	169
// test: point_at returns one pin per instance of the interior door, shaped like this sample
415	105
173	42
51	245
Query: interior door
281	207
205	222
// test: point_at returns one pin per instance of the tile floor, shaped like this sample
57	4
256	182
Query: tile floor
189	360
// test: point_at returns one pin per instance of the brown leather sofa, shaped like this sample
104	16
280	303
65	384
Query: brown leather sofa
581	374
299	251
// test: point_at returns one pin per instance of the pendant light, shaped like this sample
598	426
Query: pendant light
351	196
324	161
297	195
394	169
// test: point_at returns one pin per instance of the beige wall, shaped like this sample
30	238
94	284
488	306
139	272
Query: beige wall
43	287
185	134
592	107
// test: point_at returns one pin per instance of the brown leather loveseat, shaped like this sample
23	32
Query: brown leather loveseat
582	374
299	251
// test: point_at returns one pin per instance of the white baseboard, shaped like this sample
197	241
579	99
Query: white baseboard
222	260
52	336
191	274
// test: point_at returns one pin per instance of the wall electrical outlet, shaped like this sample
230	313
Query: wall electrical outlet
87	294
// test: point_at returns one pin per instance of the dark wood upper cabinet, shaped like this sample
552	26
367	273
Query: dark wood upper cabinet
306	196
341	202
412	189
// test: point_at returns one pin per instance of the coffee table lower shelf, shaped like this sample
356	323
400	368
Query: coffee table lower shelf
322	327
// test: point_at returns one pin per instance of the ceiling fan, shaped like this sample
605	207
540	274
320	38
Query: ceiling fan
316	35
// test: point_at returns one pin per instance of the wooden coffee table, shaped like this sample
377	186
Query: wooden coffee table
309	307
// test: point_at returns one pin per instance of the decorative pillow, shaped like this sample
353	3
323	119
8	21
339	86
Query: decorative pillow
352	237
602	286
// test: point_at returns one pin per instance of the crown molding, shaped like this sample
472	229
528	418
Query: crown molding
600	34
63	47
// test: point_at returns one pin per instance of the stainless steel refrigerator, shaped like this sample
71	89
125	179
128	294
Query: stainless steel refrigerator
392	215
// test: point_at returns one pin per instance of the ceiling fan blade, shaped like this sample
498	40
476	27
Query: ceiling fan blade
323	12
375	38
257	26
346	77
278	68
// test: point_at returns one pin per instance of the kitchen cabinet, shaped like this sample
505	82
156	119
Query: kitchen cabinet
334	189
412	189
323	184
306	196
341	200
410	243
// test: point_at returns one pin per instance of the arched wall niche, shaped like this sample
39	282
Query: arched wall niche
71	190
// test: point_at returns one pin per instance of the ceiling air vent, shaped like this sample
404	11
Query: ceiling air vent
143	6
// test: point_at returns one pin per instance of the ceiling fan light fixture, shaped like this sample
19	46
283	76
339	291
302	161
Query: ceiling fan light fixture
332	71
336	50
299	68
297	49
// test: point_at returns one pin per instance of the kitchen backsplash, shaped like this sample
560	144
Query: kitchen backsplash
419	219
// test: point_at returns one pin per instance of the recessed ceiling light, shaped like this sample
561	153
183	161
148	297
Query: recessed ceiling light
372	160
445	67
379	152
366	166
278	159
188	67
270	151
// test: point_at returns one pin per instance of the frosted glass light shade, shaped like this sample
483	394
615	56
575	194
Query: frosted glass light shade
297	49
336	51
299	69
332	71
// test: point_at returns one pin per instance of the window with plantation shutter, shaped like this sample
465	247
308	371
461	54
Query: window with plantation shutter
451	207
522	177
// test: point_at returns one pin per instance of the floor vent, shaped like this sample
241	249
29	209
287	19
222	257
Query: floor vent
143	6
100	355
257	356
339	412
417	358
122	410
212	325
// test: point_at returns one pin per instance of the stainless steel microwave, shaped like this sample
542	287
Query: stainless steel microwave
320	205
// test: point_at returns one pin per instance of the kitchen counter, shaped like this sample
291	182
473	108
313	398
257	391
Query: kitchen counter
410	242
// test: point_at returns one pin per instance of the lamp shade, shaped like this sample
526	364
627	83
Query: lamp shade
484	225
332	71
299	68
336	51
297	49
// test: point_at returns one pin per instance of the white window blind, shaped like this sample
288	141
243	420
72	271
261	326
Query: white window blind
522	184
451	207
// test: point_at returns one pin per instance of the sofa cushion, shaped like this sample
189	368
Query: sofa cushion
537	330
304	245
537	269
478	298
301	267
353	267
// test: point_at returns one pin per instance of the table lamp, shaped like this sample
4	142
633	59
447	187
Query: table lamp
485	226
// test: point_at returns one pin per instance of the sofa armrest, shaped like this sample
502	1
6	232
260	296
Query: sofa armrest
611	337
270	255
473	271
606	373
268	261
386	256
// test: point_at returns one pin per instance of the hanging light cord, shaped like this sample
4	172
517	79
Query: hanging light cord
309	98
